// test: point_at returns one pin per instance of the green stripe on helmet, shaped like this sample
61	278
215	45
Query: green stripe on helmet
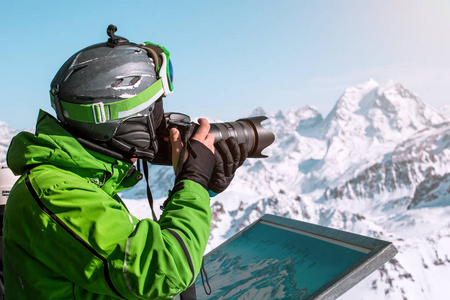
102	112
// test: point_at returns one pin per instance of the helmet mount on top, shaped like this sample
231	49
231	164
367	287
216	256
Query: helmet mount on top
111	94
114	40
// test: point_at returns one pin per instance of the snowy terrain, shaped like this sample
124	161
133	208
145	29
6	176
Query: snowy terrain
6	134
378	165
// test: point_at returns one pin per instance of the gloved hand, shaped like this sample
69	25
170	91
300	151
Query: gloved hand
229	156
197	162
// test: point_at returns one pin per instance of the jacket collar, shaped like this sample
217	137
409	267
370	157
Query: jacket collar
52	144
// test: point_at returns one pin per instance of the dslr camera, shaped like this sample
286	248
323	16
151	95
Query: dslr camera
248	131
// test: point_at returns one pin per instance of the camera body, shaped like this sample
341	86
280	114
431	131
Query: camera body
248	131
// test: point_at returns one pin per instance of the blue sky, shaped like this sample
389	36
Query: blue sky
230	57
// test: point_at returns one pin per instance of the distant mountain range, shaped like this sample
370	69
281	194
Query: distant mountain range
378	165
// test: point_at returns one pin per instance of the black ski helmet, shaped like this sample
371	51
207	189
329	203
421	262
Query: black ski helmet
108	93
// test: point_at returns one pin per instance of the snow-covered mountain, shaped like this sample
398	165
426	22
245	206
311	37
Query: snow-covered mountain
6	134
378	164
445	111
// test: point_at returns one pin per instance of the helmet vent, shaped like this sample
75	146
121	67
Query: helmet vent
126	81
134	80
117	82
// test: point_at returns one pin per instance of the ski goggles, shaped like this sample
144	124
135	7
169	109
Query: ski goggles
163	65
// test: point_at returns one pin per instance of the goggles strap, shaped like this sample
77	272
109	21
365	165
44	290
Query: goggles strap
164	76
102	112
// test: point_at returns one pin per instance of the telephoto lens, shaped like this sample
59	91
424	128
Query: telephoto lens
248	131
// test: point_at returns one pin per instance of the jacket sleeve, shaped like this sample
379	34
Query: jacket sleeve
173	248
93	241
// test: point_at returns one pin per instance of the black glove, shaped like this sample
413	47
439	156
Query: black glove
199	165
229	156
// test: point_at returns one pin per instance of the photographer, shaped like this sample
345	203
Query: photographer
67	234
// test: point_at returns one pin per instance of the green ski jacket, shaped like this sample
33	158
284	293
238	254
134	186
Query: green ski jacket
67	234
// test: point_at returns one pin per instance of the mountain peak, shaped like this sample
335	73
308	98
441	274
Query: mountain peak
259	111
370	84
386	111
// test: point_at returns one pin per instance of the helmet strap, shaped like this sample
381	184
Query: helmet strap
101	148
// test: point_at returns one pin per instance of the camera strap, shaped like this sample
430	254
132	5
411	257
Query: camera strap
149	192
190	293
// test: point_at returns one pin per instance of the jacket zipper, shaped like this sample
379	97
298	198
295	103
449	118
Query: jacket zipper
73	234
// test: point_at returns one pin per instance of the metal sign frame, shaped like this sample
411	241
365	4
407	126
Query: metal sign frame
376	252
